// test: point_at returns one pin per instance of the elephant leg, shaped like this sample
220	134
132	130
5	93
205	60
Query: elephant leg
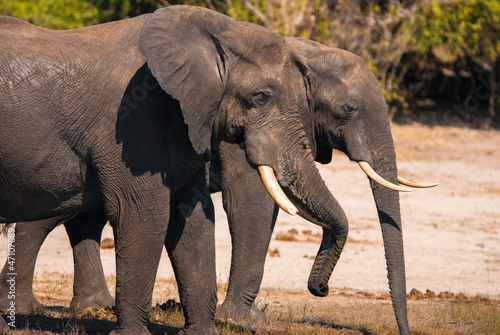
139	238
89	285
190	243
29	237
138	210
251	215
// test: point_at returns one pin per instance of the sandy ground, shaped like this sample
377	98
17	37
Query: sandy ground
451	232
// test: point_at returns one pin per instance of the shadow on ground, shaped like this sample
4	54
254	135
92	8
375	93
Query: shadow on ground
26	324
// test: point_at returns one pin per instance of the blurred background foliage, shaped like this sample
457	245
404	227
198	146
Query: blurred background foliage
436	60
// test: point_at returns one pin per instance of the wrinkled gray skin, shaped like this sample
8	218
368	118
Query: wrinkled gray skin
348	112
345	110
120	119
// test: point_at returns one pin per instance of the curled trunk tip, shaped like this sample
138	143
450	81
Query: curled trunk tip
318	289
329	252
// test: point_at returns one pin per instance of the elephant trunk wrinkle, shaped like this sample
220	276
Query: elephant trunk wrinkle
326	259
311	196
389	213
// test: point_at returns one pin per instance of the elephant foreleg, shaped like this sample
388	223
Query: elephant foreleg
139	237
190	243
251	215
29	237
89	284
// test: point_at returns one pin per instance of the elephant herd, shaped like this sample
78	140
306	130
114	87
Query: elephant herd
136	122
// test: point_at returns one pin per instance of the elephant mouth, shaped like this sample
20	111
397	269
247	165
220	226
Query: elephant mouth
370	172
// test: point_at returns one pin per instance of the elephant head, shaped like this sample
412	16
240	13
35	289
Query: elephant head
348	112
233	82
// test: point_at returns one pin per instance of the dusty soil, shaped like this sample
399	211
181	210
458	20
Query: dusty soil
451	232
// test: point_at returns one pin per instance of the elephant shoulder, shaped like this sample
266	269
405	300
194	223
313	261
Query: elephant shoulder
11	23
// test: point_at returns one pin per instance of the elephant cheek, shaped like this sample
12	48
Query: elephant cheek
230	122
259	148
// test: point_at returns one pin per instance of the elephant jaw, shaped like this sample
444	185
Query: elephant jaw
370	172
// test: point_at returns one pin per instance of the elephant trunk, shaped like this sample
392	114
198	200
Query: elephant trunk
301	183
328	254
315	203
388	208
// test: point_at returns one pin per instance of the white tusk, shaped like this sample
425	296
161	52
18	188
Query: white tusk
365	166
415	184
274	189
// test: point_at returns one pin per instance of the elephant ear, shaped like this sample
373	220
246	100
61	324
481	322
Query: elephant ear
188	62
300	54
308	56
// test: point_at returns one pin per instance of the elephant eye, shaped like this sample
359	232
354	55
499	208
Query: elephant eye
261	99
350	108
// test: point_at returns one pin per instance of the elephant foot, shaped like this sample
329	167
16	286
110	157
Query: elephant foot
97	301
248	318
258	317
193	330
24	303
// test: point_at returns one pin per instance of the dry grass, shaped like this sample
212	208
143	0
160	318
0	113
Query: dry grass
107	243
293	235
418	142
281	236
364	242
290	312
338	316
274	252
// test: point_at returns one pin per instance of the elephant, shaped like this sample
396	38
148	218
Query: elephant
121	119
347	112
341	98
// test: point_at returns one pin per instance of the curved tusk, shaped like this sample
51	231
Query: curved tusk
269	179
370	172
415	184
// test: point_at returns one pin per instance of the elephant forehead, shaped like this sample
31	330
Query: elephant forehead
251	79
263	73
258	46
262	58
255	36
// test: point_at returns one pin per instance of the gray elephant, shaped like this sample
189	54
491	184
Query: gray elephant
347	112
120	119
342	100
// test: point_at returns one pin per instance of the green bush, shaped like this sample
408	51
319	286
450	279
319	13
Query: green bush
56	14
458	29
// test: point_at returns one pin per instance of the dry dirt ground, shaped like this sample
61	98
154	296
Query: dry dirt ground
451	232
